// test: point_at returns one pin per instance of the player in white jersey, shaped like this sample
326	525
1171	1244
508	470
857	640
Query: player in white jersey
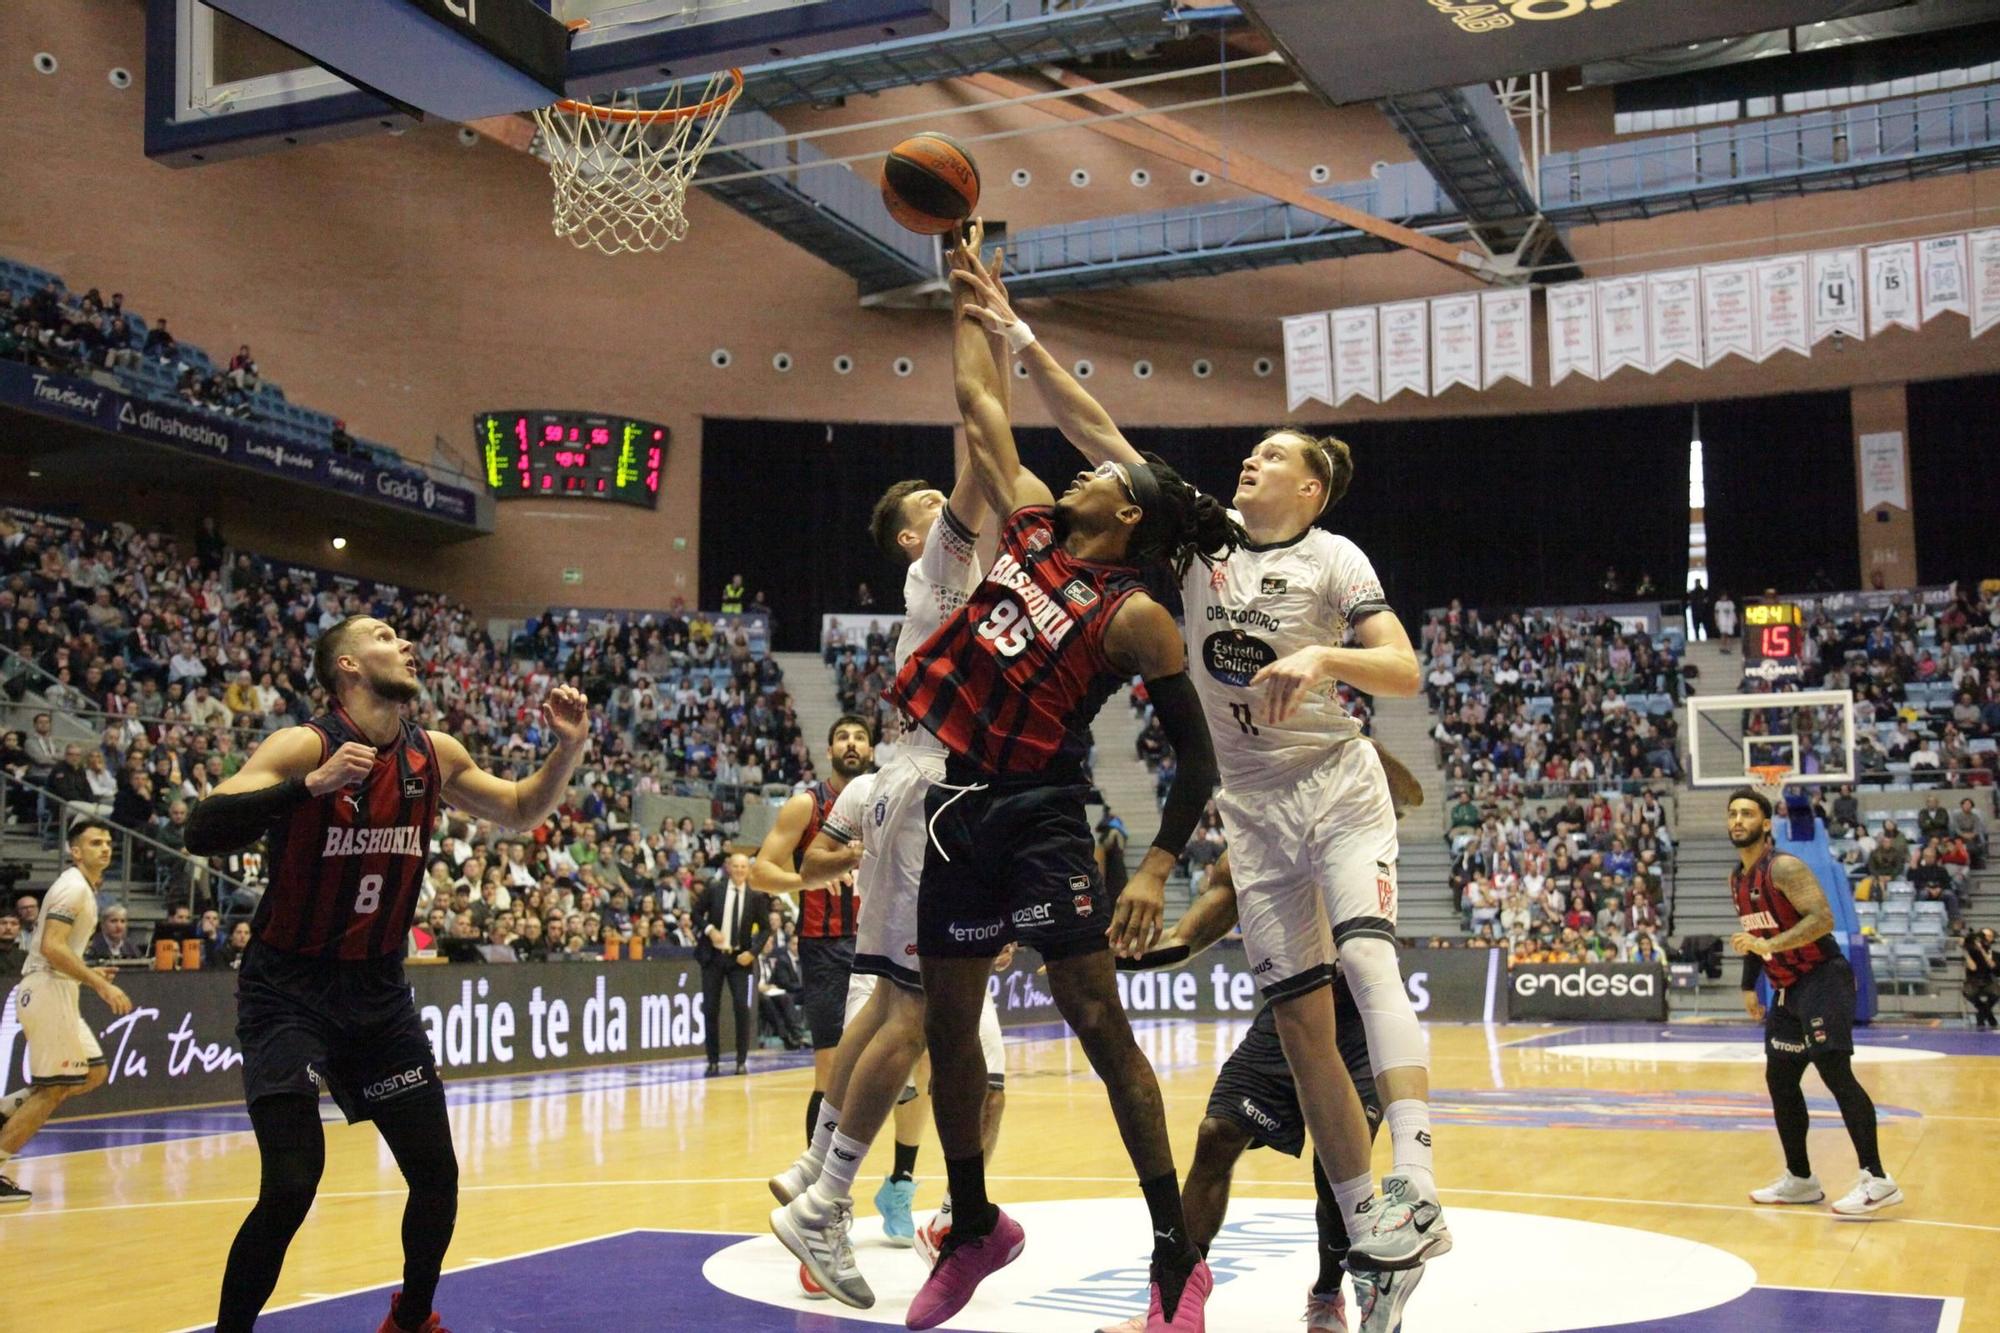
935	534
64	1059
1305	804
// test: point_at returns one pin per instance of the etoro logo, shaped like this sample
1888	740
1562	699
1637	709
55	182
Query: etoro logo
975	932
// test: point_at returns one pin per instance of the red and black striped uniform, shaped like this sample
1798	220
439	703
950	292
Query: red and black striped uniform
346	868
1764	911
1011	682
826	913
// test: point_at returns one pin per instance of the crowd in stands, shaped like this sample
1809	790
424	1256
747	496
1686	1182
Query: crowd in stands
180	661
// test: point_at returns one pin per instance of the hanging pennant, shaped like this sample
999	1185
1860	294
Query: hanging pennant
1674	299
1943	276
1508	325
1621	324
1308	363
1781	307
1356	355
1983	262
1406	349
1729	311
1454	342
1892	286
1572	312
1836	294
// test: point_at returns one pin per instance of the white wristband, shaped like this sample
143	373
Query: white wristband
1019	336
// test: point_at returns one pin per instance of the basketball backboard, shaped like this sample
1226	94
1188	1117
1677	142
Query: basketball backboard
1810	733
246	76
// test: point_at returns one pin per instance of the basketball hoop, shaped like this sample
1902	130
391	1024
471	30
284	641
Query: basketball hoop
1770	775
621	171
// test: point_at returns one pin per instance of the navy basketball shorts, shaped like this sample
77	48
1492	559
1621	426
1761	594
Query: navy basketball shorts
1009	860
1815	1016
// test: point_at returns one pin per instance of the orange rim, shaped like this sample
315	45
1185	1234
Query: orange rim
623	114
1770	775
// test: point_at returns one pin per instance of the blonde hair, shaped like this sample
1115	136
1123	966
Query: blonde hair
1328	458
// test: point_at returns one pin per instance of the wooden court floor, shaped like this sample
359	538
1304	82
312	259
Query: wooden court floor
1570	1159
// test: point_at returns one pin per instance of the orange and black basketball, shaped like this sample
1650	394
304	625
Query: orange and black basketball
930	184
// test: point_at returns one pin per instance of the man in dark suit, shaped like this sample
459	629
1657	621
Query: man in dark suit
729	921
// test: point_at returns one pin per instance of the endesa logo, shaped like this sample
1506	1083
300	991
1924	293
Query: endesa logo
1586	984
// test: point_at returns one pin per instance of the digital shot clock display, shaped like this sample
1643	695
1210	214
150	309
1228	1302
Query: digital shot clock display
1774	640
542	455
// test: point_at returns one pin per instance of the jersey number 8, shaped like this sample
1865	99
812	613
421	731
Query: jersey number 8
1007	628
370	896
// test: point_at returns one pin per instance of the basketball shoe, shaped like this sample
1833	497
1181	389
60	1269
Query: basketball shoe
930	1236
1327	1313
1408	1230
793	1181
389	1325
1189	1311
1870	1194
962	1265
1789	1188
1379	1297
817	1235
10	1193
893	1201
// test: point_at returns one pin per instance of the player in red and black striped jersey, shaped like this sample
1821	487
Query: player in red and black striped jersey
1010	684
1787	935
827	908
347	803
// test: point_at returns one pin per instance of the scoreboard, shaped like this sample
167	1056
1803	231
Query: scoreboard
544	455
1774	641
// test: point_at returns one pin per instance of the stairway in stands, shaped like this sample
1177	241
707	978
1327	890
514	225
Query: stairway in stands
1721	665
1403	726
809	680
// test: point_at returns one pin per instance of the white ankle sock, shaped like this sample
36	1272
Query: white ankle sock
1350	1195
1409	1124
13	1102
843	1163
829	1121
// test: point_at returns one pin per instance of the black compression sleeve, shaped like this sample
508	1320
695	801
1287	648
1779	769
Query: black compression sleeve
1753	967
223	824
1179	711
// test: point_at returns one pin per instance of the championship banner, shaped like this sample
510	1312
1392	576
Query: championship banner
1308	364
1444	985
1356	355
1572	312
178	1045
1836	294
1406	349
1674	299
1892	287
1507	326
1454	342
1943	276
1587	992
1884	478
1983	249
1729	311
1781	307
1621	325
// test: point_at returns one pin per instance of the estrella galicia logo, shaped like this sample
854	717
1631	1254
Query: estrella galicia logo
1234	657
1272	585
881	812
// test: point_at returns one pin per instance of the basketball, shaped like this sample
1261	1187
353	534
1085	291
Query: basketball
930	184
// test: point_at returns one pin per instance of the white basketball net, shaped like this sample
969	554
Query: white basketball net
621	178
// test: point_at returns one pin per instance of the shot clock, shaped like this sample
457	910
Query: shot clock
538	455
1774	640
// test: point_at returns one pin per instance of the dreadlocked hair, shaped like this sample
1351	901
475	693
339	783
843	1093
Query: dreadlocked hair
1194	526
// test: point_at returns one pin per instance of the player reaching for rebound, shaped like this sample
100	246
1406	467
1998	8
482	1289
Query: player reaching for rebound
1010	685
348	802
64	1059
1787	936
1306	808
827	908
878	831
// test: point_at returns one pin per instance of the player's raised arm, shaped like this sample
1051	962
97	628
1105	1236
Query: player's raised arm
1142	639
1384	664
282	772
771	871
1081	418
527	802
989	437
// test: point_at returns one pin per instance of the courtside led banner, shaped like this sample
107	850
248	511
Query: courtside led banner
1356	50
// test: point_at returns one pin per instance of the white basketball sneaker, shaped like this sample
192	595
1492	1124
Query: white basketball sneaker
1379	1297
1789	1188
817	1236
1408	1229
793	1181
1870	1194
1327	1313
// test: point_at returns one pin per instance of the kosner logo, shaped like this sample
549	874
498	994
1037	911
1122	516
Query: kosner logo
66	398
1584	983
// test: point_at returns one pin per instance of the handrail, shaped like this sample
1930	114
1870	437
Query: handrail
197	866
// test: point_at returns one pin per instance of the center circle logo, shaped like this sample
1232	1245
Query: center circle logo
1085	1266
1234	657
